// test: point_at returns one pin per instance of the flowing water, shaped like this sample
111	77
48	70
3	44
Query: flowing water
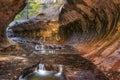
39	47
57	62
43	74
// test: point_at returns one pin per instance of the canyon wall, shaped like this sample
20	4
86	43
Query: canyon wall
91	26
8	10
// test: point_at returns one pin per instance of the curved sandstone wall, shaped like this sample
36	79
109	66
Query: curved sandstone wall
91	26
8	10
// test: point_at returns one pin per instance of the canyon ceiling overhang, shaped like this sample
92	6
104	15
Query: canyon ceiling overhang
8	11
91	26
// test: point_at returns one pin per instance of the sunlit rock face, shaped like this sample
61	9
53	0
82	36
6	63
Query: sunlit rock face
50	9
45	25
46	31
91	26
8	10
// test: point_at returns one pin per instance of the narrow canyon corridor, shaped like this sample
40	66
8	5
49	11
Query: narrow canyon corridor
60	40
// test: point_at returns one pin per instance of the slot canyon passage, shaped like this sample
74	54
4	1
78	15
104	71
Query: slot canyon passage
65	40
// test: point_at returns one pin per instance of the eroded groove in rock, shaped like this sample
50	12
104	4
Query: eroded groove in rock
91	26
98	17
8	10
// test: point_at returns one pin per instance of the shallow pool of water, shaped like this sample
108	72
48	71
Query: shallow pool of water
44	75
45	72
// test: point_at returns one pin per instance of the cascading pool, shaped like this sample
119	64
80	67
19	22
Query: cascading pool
42	73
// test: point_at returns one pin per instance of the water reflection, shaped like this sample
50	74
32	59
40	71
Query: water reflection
41	73
44	75
63	67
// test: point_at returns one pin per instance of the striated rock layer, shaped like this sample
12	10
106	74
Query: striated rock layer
8	10
91	26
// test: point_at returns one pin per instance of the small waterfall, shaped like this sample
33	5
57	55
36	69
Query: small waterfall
60	68
41	73
41	67
42	47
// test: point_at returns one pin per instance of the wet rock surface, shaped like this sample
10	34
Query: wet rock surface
24	58
76	66
22	61
9	8
92	24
